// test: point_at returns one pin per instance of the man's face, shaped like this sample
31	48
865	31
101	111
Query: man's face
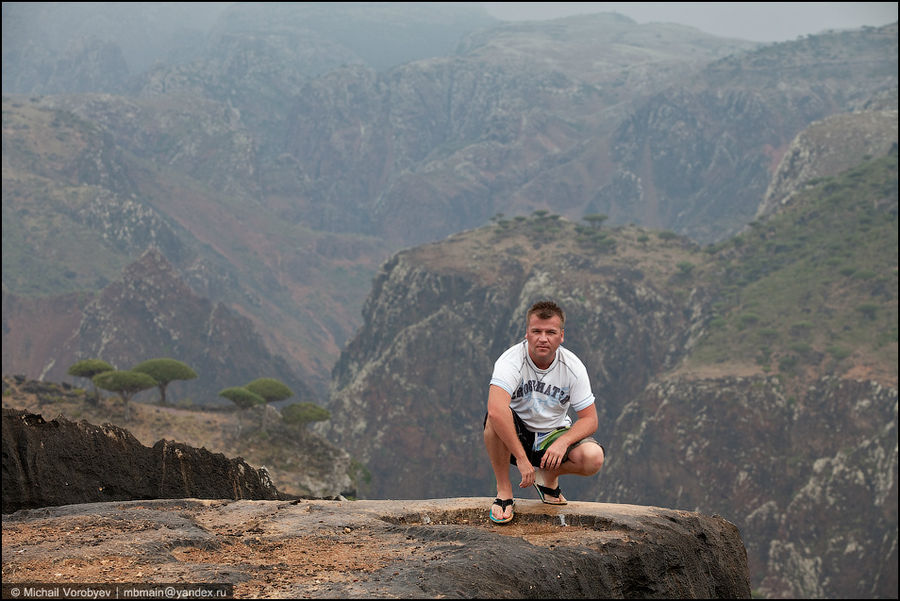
544	337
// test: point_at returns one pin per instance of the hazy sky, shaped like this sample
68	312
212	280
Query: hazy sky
756	21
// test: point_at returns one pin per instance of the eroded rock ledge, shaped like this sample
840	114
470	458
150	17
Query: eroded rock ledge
434	548
59	462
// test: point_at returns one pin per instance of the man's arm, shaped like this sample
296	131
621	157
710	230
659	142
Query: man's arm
584	426
501	419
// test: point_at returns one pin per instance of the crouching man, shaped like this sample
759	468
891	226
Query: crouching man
527	423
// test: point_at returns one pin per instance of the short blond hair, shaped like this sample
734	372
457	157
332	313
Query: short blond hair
546	310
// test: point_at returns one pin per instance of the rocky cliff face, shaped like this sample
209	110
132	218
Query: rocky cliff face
77	218
826	148
150	312
297	461
62	462
717	138
811	479
488	131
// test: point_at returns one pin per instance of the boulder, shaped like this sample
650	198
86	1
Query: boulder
59	462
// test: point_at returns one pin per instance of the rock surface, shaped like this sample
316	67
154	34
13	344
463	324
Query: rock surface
814	153
61	462
405	549
810	479
299	462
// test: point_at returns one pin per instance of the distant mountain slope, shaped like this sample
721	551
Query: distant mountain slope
278	189
72	211
799	445
828	147
64	47
380	35
78	208
149	312
702	153
815	285
44	42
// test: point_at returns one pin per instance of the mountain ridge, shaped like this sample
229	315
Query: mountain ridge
281	196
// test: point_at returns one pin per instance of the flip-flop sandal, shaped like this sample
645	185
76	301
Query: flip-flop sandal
503	504
552	492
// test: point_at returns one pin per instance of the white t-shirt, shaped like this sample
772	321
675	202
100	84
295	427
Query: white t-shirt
542	397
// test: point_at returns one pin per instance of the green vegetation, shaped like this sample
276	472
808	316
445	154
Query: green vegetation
165	371
685	268
301	414
162	370
88	368
544	227
270	390
596	220
815	283
244	399
241	397
124	383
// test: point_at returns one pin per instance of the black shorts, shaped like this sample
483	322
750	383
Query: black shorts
526	437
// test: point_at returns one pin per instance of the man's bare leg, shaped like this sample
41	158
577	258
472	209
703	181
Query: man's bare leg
584	460
499	456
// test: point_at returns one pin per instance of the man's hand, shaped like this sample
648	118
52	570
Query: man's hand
553	456
527	471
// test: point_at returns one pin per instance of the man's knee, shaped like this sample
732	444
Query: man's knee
597	459
488	429
490	435
591	458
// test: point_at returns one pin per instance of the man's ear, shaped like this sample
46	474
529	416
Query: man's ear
562	335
